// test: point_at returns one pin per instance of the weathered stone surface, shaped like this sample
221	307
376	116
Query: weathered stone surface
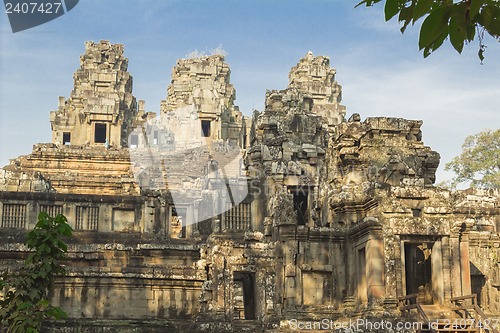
314	77
102	96
202	85
341	219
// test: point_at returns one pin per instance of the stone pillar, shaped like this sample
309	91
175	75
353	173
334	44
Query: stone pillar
445	250
437	273
375	268
400	268
361	274
257	208
280	277
391	269
465	264
195	226
351	264
456	283
339	272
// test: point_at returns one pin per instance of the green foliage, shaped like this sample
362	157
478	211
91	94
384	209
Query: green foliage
24	303
479	162
456	20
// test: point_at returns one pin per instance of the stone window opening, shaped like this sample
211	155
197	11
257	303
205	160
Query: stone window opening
100	133
244	296
87	218
205	128
155	137
66	138
52	210
237	217
417	212
14	216
134	141
300	206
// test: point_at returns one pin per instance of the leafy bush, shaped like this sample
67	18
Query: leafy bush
24	303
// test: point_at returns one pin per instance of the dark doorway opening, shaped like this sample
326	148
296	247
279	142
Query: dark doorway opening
178	222
100	133
300	206
477	284
243	295
205	128
66	138
418	271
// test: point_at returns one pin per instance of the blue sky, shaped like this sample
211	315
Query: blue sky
382	71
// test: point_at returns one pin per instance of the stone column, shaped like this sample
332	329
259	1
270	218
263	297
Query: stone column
400	268
361	274
437	273
339	271
375	268
456	282
391	246
351	264
464	263
257	208
280	276
445	250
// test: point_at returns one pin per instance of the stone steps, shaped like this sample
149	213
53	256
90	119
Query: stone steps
442	319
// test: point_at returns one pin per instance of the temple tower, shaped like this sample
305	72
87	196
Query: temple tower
101	106
314	77
201	88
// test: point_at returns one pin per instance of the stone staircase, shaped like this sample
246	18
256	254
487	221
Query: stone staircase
463	316
75	170
175	169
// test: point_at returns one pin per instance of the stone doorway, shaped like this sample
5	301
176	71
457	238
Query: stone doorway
418	271
243	295
178	222
100	133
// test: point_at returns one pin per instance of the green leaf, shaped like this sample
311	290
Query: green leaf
490	17
368	3
470	30
475	6
43	303
24	306
391	9
457	35
56	312
34	280
421	8
405	16
433	28
481	54
436	44
42	216
34	294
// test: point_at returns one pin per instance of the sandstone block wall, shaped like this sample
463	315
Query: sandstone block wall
202	220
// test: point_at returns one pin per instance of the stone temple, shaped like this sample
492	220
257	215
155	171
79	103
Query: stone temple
199	219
